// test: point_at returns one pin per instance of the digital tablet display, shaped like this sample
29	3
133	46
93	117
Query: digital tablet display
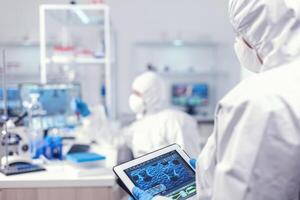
166	175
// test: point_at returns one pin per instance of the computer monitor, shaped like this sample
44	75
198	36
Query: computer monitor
14	107
56	102
190	95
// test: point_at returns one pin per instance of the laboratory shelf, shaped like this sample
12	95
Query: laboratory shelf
76	61
194	74
177	43
22	44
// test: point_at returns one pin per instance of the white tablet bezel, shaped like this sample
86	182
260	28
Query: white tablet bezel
120	169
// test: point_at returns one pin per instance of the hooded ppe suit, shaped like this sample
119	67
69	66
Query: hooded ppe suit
156	126
254	151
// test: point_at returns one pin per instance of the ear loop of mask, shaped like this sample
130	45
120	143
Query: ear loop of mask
248	45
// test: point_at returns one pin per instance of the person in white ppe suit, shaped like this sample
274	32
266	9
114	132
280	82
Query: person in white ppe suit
158	126
254	151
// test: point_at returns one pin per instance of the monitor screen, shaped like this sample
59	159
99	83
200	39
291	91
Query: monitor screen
190	94
56	102
14	107
167	175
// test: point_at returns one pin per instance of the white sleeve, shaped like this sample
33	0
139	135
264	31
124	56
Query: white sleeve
258	153
205	168
184	134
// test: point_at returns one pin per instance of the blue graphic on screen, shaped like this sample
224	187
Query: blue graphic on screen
56	101
162	175
190	94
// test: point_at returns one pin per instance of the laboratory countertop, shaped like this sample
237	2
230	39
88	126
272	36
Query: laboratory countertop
60	174
63	174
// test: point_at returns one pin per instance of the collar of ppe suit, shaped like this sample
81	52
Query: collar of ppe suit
272	27
152	90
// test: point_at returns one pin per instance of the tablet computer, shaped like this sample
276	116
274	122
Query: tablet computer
165	172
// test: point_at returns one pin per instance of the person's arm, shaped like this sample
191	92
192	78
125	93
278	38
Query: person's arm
258	153
205	167
184	132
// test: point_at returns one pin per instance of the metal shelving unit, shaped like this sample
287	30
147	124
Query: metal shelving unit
79	18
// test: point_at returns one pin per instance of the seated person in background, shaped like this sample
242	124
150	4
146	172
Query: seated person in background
156	126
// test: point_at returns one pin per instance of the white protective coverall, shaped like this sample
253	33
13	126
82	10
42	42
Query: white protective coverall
158	126
254	151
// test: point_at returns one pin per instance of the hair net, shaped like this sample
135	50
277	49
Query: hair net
271	27
152	89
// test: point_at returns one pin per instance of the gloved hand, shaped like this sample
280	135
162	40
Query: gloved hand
140	194
81	107
193	163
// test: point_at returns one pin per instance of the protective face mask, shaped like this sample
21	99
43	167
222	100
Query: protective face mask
136	104
247	56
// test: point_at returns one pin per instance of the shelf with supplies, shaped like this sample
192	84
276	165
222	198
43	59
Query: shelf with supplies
78	60
81	36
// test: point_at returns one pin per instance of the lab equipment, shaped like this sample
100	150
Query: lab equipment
18	147
190	95
254	150
16	157
86	160
79	148
53	148
165	172
21	168
56	100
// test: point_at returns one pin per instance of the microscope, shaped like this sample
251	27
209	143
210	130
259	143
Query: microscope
15	156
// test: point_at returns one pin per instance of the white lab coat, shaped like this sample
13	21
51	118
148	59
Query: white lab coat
254	151
164	128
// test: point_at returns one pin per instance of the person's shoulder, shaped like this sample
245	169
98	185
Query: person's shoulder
169	114
173	115
259	90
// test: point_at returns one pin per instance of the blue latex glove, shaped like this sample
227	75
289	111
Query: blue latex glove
193	163
82	108
140	194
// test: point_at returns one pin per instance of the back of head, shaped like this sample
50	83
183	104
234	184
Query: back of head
271	27
152	89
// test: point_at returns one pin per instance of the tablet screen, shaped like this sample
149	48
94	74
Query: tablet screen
166	175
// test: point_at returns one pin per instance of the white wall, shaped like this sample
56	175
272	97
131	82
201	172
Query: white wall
138	20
